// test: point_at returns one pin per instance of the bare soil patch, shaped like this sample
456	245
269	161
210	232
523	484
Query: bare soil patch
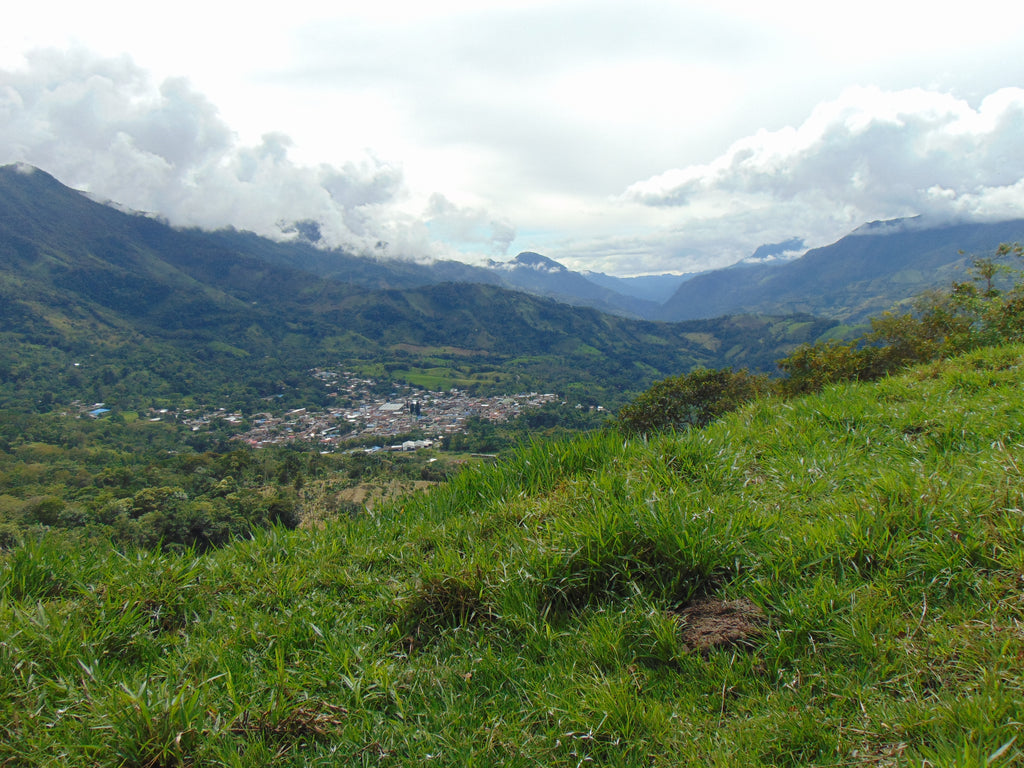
715	623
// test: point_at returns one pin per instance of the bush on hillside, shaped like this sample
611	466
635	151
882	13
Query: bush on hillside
691	400
988	309
941	324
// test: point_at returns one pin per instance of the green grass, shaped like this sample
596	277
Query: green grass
536	612
440	378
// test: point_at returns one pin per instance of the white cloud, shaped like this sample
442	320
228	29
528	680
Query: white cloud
870	148
469	225
868	154
101	125
465	130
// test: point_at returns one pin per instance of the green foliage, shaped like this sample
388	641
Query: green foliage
141	485
65	475
547	609
691	400
942	324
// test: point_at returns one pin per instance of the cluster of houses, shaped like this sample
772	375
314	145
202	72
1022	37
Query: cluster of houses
364	414
93	411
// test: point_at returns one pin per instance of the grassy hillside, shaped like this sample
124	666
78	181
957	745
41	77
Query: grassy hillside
831	580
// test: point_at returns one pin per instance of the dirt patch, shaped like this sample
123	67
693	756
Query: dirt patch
714	623
317	721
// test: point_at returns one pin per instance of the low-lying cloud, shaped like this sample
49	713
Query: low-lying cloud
474	226
101	125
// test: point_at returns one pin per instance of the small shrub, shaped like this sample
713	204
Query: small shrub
691	400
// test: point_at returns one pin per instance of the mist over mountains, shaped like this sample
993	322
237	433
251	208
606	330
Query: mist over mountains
872	269
97	303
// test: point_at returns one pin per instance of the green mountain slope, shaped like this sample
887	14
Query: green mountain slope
832	580
861	275
27	191
97	304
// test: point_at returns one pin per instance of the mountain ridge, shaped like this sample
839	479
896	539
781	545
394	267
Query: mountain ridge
226	314
848	280
878	266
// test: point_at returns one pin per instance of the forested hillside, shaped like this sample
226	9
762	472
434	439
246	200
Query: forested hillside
99	305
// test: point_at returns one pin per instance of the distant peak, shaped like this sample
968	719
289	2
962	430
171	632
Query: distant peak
536	261
24	169
784	251
28	178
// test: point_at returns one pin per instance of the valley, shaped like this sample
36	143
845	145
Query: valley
254	513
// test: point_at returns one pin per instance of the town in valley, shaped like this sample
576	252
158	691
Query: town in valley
363	415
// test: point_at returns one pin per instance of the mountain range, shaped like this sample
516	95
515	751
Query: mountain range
170	310
97	303
871	270
876	267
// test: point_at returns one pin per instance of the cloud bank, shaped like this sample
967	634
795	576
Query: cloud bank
101	125
869	154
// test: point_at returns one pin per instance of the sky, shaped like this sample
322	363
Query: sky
625	138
